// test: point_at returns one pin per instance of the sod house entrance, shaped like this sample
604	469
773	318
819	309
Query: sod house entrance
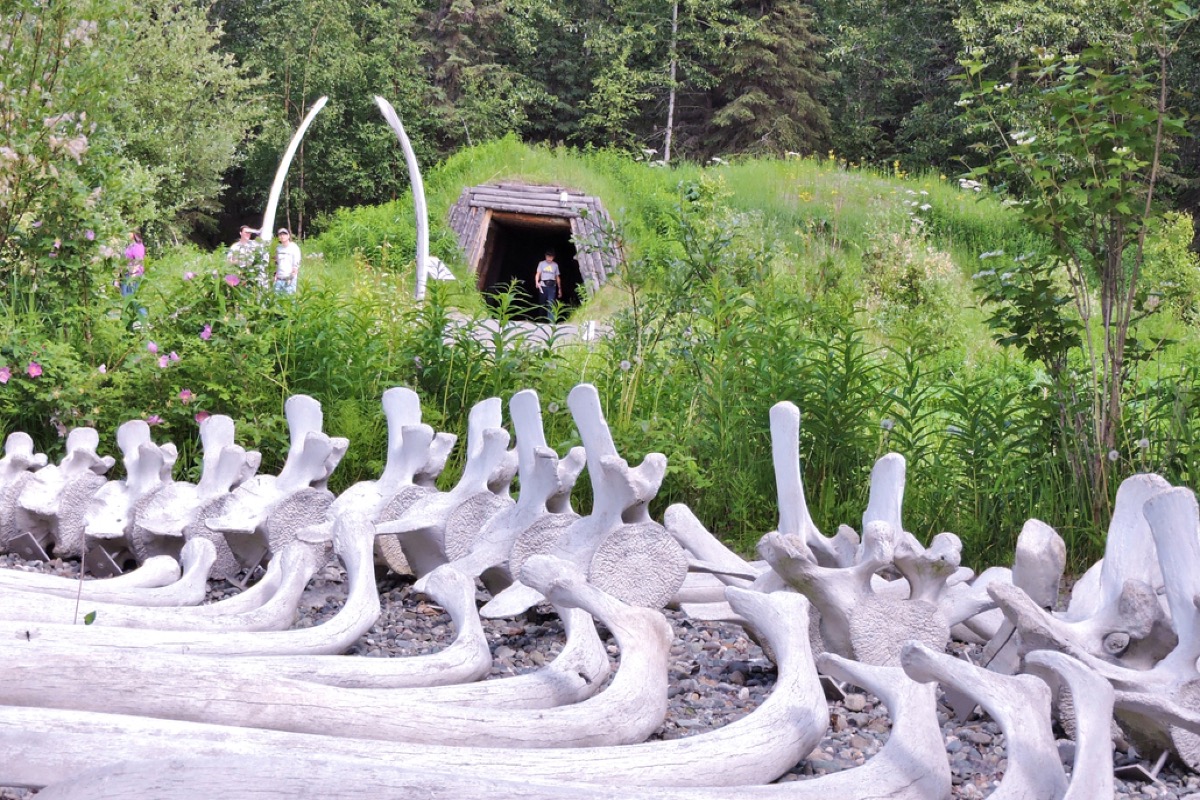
505	230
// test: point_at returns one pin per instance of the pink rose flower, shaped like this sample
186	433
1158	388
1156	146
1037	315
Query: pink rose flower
102	369
185	396
34	369
152	347
162	362
5	374
90	236
187	276
206	332
173	356
154	419
201	416
232	280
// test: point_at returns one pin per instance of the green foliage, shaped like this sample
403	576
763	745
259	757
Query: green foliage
1029	311
889	99
65	189
183	111
1083	138
767	100
350	52
1171	273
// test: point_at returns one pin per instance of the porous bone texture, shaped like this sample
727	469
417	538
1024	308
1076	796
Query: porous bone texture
387	546
640	564
466	522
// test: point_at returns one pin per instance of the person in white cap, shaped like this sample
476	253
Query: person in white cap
287	263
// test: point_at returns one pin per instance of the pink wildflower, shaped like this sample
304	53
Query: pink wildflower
232	280
5	374
154	419
90	236
206	332
162	362
34	369
102	369
187	276
201	416
152	347
173	356
185	396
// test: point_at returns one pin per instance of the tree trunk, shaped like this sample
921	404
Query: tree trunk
671	95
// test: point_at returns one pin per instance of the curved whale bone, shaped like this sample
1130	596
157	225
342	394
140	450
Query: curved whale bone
52	502
274	611
441	526
167	517
543	508
467	658
1020	705
16	468
266	512
44	744
622	550
130	607
912	765
857	621
109	516
1174	521
631	708
576	674
156	571
352	539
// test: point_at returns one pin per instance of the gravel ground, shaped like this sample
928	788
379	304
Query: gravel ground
717	676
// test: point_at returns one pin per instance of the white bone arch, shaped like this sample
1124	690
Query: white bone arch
418	190
266	232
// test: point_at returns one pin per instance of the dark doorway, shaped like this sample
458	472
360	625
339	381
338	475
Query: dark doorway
514	246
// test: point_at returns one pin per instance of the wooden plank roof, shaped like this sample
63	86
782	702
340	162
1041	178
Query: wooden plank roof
590	223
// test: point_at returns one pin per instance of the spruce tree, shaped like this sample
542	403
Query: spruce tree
766	100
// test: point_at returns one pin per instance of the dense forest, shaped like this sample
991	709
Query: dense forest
193	101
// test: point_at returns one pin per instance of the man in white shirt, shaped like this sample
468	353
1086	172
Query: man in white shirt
287	263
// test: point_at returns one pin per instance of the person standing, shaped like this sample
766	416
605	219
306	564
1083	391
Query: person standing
548	279
287	263
249	256
135	264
